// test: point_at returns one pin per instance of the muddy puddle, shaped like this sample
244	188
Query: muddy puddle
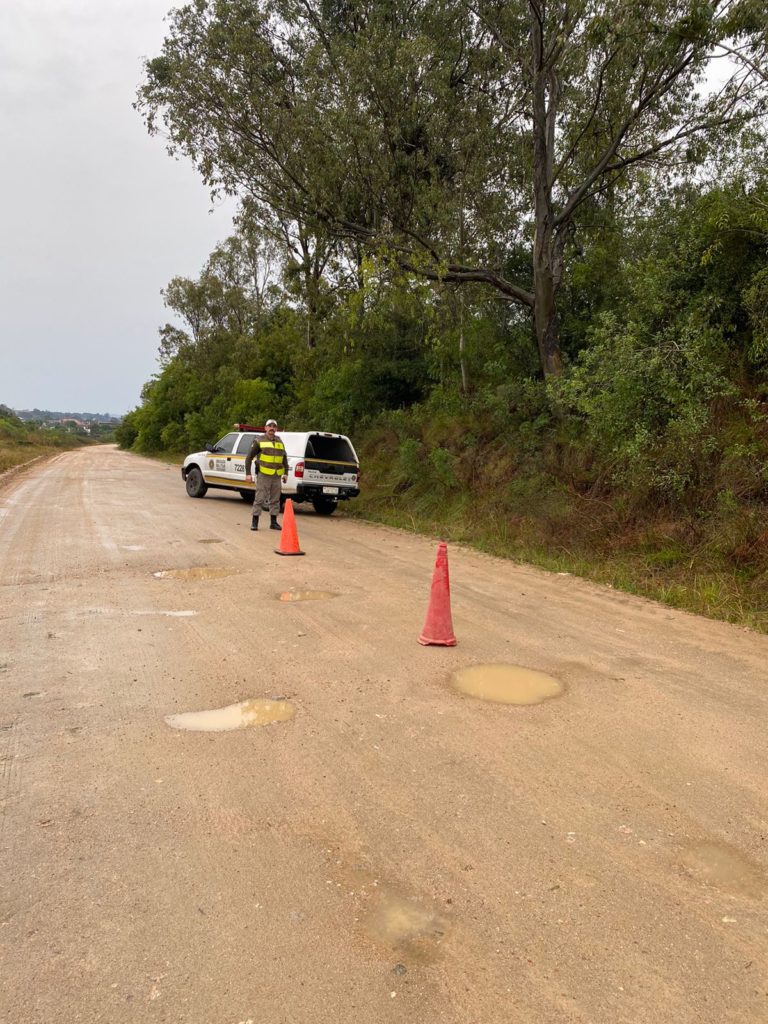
401	924
723	867
236	716
200	572
507	684
210	540
306	595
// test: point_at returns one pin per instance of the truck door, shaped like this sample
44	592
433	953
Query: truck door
237	463
218	465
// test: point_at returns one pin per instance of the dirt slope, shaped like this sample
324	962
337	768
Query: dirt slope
394	852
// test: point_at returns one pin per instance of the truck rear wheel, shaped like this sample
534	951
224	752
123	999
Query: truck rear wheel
196	486
324	506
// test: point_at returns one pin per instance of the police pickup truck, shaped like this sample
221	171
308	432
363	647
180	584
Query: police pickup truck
323	468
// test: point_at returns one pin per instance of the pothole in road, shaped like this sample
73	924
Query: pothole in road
507	684
724	867
403	925
306	595
210	540
200	572
236	716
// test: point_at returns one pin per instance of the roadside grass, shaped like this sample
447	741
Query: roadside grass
17	452
170	458
667	562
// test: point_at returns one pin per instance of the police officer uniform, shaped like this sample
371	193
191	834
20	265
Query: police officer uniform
272	463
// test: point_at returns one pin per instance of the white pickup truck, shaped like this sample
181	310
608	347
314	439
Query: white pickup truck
323	468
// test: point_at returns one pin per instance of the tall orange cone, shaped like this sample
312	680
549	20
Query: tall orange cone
438	629
289	539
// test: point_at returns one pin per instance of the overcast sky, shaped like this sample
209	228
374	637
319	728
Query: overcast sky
95	217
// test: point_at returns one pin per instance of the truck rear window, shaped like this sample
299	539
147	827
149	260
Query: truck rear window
330	449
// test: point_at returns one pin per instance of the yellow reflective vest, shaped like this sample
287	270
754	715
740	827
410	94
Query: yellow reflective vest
271	457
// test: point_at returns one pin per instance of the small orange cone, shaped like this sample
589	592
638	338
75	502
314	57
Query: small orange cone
438	629
289	539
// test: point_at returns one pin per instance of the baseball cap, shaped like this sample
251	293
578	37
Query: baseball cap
271	423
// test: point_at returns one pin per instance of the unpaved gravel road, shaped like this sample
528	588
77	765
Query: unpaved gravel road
396	851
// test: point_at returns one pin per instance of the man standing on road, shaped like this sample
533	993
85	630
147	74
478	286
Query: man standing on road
271	465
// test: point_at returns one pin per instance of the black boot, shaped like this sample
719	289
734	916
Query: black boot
274	525
254	522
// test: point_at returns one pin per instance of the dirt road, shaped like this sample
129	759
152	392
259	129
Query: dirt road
395	851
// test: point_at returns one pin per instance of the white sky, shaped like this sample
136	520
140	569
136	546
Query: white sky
95	217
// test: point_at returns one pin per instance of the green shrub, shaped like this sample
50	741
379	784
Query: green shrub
173	437
647	404
443	468
410	462
253	401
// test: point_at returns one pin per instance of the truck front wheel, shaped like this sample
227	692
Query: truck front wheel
196	486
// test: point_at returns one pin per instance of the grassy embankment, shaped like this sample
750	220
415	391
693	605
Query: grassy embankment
713	564
18	447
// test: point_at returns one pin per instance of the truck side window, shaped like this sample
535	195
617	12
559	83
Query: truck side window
244	445
226	444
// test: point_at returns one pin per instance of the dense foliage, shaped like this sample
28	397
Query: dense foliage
666	340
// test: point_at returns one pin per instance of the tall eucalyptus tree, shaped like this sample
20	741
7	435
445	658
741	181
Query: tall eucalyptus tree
446	134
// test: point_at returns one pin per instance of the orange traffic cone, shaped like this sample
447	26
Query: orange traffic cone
438	629
289	539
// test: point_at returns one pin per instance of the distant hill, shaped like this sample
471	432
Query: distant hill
48	415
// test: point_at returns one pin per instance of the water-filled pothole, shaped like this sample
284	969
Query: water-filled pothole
507	684
724	867
403	925
306	595
257	711
200	572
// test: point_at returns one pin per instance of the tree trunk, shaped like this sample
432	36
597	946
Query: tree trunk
462	360
545	319
547	248
311	273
